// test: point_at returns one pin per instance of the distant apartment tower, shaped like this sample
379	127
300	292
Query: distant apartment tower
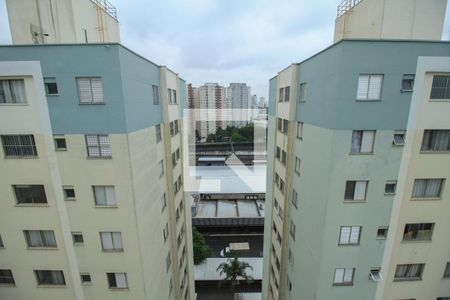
239	96
357	183
211	99
62	21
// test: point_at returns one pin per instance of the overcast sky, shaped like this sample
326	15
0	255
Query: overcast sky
224	40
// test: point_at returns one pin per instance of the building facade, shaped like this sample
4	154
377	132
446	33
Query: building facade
345	160
91	175
62	21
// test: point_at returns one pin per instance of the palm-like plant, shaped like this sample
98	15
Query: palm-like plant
234	270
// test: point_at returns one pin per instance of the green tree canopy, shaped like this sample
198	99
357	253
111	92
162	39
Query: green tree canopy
201	249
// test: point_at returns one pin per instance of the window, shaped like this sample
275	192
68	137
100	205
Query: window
302	92
436	140
60	143
111	241
279	238
297	165
349	235
287	93
281	97
104	195
117	280
280	213
2	245
6	277
283	157
158	133
161	168
281	186
168	262
166	232
46	277
300	130
172	94
174	98
356	190
418	232
155	90
369	87
69	193
427	188
51	88
90	90
390	187
30	194
382	232
164	201
440	88
85	278
343	276
169	95
19	145
295	198
409	272
98	146
12	91
278	153
399	138
280	124
40	238
285	126
292	229
77	238
407	82
375	274
447	270
362	141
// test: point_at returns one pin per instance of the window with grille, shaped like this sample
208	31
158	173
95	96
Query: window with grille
405	272
369	87
47	277
111	241
427	188
30	194
51	88
155	91
77	238
40	238
436	140
6	277
98	146
19	146
117	280
90	90
440	88
104	195
85	278
418	231
12	91
408	82
390	187
362	141
356	190
349	235
343	276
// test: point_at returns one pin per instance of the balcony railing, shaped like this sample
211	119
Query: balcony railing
107	7
345	6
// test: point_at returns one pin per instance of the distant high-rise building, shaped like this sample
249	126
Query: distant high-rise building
357	168
239	95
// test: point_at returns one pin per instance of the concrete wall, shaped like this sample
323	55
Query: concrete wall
64	21
392	19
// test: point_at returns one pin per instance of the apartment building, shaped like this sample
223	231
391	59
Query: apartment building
91	175
357	180
62	21
239	96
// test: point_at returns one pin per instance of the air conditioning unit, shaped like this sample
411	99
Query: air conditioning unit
375	275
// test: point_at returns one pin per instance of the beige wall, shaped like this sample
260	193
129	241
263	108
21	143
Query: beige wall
424	114
65	21
392	19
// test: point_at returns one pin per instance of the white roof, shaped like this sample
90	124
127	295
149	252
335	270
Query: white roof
229	180
230	209
208	269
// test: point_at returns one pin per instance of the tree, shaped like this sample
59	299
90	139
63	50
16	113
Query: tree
201	249
234	270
